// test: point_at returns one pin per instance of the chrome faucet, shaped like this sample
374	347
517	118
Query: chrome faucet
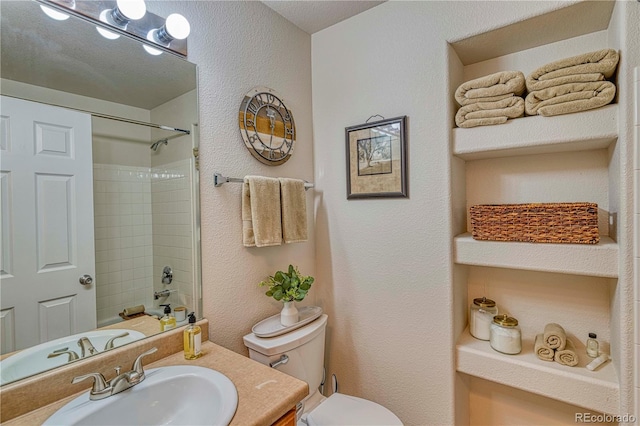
72	355
162	293
110	345
86	347
103	389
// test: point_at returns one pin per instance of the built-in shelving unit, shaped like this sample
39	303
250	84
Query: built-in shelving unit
596	390
598	260
549	157
596	129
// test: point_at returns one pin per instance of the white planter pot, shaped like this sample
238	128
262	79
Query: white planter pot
289	314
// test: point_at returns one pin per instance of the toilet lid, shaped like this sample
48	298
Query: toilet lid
341	409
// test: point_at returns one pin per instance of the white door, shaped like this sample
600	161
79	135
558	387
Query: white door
46	188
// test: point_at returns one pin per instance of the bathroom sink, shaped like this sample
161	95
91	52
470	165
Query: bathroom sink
34	360
175	395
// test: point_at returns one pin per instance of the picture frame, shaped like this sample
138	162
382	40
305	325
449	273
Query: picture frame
377	159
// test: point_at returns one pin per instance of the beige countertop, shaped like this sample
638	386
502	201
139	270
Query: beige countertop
264	394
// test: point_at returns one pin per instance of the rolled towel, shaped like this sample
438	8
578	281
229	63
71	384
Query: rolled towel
568	355
592	66
491	88
133	310
554	336
543	352
570	98
489	113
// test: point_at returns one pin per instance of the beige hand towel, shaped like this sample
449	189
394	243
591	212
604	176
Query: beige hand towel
555	336
294	210
261	217
592	66
489	113
568	355
491	88
570	98
543	352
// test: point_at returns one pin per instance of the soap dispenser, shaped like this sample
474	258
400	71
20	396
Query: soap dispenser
192	339
168	321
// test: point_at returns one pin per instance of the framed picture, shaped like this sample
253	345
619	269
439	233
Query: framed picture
377	159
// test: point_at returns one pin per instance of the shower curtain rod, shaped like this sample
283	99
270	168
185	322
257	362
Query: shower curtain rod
114	117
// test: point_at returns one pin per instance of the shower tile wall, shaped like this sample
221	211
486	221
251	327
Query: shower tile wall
172	229
123	238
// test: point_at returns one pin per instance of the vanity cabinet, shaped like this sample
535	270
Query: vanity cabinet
581	157
288	419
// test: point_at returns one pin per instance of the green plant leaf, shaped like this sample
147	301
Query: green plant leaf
278	295
305	285
292	270
279	276
286	285
269	293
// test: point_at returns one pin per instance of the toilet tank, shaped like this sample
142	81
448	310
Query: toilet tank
304	347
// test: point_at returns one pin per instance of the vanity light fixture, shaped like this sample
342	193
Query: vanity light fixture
176	27
120	16
115	18
56	14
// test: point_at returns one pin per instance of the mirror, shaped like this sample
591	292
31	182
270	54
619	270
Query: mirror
137	220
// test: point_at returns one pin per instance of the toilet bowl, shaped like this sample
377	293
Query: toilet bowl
303	350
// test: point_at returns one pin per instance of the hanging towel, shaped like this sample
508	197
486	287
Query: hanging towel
294	210
568	355
570	98
555	336
491	88
592	66
543	352
489	113
261	217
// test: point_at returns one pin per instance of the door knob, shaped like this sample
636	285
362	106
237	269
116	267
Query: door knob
86	279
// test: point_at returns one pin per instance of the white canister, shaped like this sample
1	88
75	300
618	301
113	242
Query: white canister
481	313
505	335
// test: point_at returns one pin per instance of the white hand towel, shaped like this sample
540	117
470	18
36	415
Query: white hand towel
294	210
261	217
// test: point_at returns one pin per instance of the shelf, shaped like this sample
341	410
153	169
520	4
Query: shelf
596	390
594	129
566	22
598	260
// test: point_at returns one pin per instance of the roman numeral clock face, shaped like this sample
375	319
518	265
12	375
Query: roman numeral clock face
267	126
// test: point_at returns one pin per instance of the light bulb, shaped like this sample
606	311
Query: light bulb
177	26
131	9
54	14
107	34
151	51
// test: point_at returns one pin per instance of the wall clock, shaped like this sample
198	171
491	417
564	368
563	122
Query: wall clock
267	126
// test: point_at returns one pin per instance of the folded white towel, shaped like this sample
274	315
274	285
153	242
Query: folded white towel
592	66
490	113
261	212
570	98
294	210
491	88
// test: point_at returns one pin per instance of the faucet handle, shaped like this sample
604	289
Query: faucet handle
110	345
99	383
137	364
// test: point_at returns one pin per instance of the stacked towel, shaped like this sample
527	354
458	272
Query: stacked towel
567	356
573	84
273	210
555	336
553	345
491	99
543	352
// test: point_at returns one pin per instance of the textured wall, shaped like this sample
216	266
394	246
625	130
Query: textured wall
238	46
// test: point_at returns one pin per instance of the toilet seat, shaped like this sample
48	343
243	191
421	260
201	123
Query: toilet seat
341	409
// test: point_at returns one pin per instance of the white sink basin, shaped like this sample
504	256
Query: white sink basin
34	360
174	395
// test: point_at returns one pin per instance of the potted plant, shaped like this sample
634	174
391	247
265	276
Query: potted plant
288	287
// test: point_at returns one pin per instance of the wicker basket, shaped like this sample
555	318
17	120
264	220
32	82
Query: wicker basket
537	223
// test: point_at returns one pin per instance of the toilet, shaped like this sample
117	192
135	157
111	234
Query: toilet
304	350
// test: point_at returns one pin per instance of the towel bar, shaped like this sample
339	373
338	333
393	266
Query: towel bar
219	180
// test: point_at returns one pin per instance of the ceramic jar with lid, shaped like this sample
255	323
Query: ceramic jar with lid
481	313
505	335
